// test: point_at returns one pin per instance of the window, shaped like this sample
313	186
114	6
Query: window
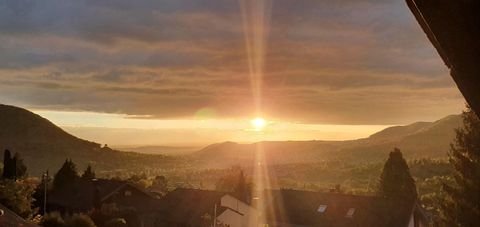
350	213
322	208
128	193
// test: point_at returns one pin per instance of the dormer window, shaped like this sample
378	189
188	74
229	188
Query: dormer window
128	193
322	208
350	213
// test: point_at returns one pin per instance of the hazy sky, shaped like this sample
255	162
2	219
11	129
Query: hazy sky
334	62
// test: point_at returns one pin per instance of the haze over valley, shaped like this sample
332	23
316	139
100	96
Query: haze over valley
417	140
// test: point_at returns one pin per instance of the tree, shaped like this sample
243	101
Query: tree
17	196
13	167
66	175
20	167
241	189
395	180
8	165
88	174
141	180
80	220
116	222
53	219
229	181
462	203
160	184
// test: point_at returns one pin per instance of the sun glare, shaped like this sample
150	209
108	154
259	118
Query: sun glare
258	123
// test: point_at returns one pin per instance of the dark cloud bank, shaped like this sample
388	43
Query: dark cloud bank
343	62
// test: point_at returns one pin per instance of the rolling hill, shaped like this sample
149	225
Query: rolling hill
417	140
44	145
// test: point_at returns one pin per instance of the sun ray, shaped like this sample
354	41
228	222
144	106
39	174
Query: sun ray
256	23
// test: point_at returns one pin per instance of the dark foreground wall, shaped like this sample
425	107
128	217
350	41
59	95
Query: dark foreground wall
453	27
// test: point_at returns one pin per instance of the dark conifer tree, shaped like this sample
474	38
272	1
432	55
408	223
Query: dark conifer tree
13	167
88	174
396	181
66	175
8	167
241	189
20	167
462	205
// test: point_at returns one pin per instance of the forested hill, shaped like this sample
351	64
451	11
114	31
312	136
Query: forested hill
443	129
44	145
417	140
19	126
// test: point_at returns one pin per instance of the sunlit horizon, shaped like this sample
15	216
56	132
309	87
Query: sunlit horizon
144	131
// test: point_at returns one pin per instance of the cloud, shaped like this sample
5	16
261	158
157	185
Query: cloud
342	62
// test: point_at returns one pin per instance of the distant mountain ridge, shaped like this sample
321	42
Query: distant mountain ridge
417	140
445	125
163	150
395	132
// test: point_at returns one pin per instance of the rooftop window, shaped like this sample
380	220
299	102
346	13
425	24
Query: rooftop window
322	208
350	213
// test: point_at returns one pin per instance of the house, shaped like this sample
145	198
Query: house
194	207
9	218
289	208
83	196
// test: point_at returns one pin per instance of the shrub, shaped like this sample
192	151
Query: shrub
116	222
80	220
53	219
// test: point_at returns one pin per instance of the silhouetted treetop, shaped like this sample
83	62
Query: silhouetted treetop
395	180
8	168
241	189
89	173
66	175
13	167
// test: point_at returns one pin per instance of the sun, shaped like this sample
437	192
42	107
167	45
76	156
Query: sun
258	123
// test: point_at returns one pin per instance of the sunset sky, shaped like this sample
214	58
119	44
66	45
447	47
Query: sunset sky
177	71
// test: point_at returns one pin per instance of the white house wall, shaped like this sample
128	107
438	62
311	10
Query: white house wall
250	214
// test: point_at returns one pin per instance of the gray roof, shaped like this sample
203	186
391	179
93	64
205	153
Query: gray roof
187	206
10	219
301	208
